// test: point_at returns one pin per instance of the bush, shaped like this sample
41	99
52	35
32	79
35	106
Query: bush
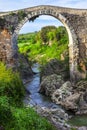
5	111
10	84
28	119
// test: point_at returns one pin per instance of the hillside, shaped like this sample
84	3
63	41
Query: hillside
49	43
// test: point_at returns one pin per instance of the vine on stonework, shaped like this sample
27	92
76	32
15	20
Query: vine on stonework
21	15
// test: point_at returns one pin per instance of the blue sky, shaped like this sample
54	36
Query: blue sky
7	5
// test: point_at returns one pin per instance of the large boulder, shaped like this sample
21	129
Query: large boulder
72	102
63	92
50	83
77	102
81	87
72	98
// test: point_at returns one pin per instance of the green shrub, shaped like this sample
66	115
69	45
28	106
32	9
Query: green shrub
5	110
28	119
21	15
10	84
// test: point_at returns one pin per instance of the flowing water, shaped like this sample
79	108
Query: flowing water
35	98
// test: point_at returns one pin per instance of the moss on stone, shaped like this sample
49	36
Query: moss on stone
21	15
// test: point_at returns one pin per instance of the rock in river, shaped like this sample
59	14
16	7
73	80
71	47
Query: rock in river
50	83
57	116
71	102
63	92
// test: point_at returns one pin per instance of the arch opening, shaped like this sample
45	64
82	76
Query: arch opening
52	42
72	37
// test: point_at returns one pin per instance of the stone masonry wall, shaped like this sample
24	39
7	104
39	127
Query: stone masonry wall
79	24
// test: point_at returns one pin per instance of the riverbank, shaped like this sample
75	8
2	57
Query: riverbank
43	105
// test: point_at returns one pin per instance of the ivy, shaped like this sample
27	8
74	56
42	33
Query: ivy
21	15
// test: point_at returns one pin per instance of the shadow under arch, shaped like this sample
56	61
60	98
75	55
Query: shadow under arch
73	42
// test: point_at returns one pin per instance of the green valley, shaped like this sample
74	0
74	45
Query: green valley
42	46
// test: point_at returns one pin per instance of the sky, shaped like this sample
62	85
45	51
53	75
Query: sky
8	5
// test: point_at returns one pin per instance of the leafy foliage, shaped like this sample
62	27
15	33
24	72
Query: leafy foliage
28	119
44	32
10	84
47	44
5	111
21	15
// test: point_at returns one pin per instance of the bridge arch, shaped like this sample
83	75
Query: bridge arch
73	42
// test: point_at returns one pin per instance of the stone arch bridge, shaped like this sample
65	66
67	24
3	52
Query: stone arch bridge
74	20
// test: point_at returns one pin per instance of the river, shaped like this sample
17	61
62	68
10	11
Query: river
35	98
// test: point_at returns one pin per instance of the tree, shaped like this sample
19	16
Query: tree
44	33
